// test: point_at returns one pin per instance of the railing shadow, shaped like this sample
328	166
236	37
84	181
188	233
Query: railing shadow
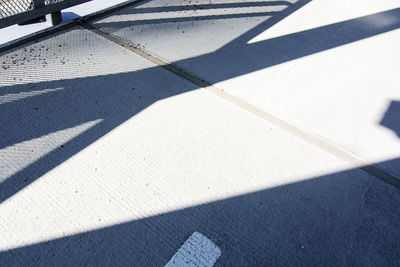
347	218
81	100
118	104
314	222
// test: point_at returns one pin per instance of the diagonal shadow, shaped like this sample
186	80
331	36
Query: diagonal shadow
243	58
273	16
347	218
92	97
115	105
185	19
202	7
344	218
141	10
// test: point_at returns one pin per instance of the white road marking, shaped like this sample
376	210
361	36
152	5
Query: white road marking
198	250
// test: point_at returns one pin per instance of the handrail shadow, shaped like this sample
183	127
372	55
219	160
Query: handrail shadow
318	214
347	218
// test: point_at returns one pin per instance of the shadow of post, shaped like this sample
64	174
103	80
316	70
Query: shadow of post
248	58
391	118
344	218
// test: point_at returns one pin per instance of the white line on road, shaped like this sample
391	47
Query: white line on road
198	250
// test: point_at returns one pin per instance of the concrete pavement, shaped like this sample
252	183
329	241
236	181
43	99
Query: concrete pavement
108	157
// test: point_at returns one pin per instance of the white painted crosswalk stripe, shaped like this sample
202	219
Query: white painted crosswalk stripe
198	250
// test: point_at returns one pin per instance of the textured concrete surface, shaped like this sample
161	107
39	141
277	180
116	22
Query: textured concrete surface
326	67
109	159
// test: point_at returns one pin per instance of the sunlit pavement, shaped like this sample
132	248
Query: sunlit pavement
234	133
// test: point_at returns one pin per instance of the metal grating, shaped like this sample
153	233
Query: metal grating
21	11
13	7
